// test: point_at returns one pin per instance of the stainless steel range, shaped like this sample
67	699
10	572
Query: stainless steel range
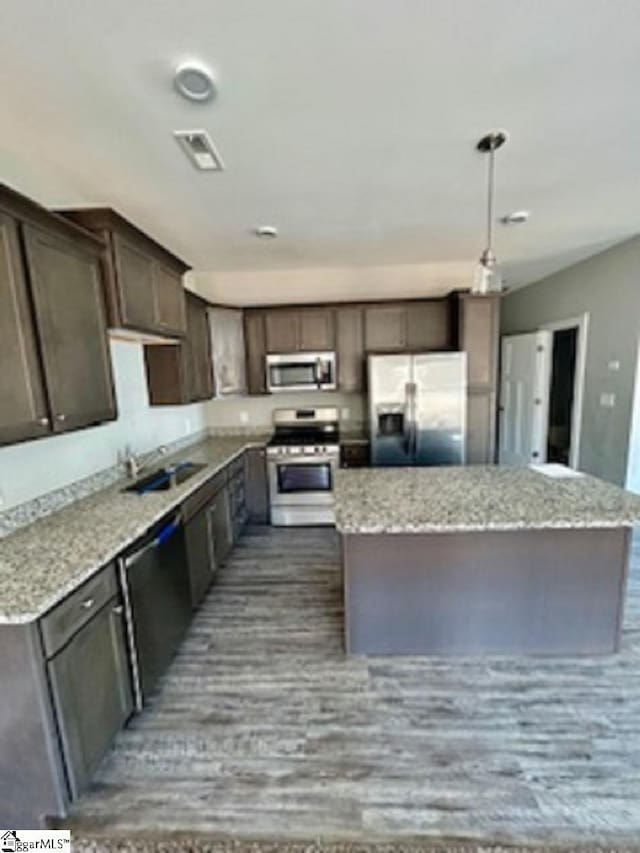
302	458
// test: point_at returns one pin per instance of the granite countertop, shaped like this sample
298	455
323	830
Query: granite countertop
475	498
42	563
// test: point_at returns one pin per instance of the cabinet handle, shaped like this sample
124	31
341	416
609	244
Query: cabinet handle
61	417
88	603
118	609
43	421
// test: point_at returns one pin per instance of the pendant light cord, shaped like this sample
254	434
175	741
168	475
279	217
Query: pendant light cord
490	197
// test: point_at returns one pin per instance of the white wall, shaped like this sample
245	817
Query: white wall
330	284
257	412
37	467
633	460
605	286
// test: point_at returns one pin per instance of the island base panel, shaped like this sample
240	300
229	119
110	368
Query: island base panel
547	592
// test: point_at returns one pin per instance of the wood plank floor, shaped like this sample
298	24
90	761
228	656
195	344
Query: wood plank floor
263	728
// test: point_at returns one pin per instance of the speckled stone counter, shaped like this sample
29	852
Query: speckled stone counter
482	560
450	499
43	562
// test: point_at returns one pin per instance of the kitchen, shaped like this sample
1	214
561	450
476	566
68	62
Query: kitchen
261	578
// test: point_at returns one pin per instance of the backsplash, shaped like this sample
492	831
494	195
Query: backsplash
30	511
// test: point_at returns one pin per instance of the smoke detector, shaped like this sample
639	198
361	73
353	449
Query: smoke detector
194	81
199	148
266	232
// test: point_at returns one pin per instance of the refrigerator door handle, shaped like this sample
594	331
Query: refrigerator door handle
410	418
406	419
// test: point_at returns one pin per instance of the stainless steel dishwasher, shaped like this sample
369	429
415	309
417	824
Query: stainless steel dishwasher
155	581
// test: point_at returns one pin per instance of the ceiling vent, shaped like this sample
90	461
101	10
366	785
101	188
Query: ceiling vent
199	148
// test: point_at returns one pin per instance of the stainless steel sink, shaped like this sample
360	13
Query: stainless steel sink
164	479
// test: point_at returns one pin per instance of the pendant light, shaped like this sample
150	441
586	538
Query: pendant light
487	278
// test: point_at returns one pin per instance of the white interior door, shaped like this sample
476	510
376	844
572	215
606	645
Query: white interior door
524	398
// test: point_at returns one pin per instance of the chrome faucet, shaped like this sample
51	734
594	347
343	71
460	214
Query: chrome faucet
134	465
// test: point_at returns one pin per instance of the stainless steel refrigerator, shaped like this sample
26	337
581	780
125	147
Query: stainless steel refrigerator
417	408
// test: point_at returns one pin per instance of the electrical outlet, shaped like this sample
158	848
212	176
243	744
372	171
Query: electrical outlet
346	413
607	400
244	417
614	364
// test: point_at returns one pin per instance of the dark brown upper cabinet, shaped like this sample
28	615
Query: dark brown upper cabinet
477	322
478	334
143	279
385	328
23	406
183	372
414	326
299	329
316	329
56	372
350	347
255	350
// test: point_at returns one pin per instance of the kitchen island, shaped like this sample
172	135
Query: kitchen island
482	560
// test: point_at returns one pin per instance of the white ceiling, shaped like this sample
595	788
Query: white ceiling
349	124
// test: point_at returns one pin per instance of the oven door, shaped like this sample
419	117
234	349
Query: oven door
301	372
305	480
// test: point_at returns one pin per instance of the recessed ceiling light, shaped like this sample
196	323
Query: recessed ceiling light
199	148
518	217
194	81
266	232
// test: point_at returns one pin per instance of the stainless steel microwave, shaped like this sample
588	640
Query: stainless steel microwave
301	371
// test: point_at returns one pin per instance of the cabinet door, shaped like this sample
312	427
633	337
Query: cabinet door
428	326
350	349
221	526
256	348
134	284
204	353
66	285
316	330
228	345
169	298
385	328
282	330
197	353
256	485
479	332
23	410
200	554
481	419
91	689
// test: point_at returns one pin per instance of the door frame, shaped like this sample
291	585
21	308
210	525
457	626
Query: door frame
581	321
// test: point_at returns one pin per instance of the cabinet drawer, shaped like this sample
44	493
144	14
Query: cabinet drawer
236	468
61	623
205	493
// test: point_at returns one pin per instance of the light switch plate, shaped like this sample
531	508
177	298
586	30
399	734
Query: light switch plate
607	400
244	417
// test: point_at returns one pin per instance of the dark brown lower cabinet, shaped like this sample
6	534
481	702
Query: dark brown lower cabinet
256	485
